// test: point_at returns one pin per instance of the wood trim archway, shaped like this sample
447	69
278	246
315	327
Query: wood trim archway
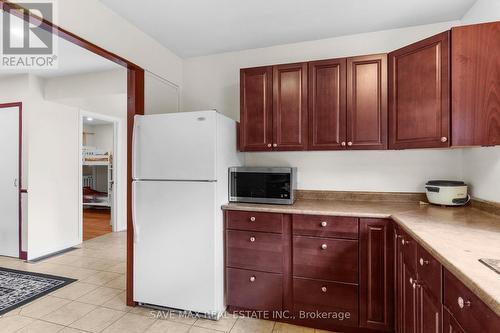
135	105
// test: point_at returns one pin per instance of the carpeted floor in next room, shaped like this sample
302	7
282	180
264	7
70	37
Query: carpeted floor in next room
96	302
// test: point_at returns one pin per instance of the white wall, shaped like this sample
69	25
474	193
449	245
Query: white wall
482	11
53	191
213	82
92	20
102	93
390	171
482	172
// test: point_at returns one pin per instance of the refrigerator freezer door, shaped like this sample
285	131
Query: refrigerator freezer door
176	146
175	251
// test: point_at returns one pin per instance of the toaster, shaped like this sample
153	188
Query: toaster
447	192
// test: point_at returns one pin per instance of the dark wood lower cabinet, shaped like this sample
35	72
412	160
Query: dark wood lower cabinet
255	290
378	280
428	312
376	308
337	301
450	325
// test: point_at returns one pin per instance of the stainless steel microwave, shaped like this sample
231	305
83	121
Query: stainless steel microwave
262	185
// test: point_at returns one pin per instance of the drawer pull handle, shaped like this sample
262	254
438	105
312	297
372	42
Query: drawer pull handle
404	241
324	246
324	224
252	218
252	279
252	239
463	303
323	289
423	262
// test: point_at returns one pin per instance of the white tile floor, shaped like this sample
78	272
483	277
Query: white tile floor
96	302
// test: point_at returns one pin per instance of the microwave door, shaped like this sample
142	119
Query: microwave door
261	187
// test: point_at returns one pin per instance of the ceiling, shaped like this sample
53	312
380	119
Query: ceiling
95	122
201	27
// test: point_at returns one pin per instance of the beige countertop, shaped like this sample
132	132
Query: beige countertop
457	236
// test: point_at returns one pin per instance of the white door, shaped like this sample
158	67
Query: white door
174	245
9	182
176	146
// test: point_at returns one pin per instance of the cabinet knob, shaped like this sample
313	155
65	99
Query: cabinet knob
252	218
324	224
275	145
342	143
423	262
269	145
252	278
463	303
444	139
252	239
324	246
349	143
323	289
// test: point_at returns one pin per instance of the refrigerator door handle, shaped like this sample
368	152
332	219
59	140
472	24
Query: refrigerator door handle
135	145
134	217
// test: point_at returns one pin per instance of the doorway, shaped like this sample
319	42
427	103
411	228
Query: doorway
10	179
99	174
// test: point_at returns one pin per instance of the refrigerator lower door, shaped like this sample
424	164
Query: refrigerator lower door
177	245
176	146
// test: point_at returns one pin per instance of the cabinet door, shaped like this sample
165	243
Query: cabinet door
327	104
367	102
428	313
409	300
376	293
398	277
256	117
419	111
290	106
475	95
450	325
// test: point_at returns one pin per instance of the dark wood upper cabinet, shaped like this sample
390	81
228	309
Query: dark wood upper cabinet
475	95
256	114
419	84
290	106
367	102
376	285
327	104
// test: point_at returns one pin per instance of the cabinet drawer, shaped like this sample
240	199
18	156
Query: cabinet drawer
254	250
254	290
310	296
253	221
470	312
325	258
325	226
429	273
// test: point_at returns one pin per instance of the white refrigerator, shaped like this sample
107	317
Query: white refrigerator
180	181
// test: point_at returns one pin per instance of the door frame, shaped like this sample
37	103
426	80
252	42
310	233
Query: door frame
135	105
117	165
22	254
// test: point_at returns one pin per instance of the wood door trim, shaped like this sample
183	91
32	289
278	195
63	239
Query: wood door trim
381	61
22	254
135	105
